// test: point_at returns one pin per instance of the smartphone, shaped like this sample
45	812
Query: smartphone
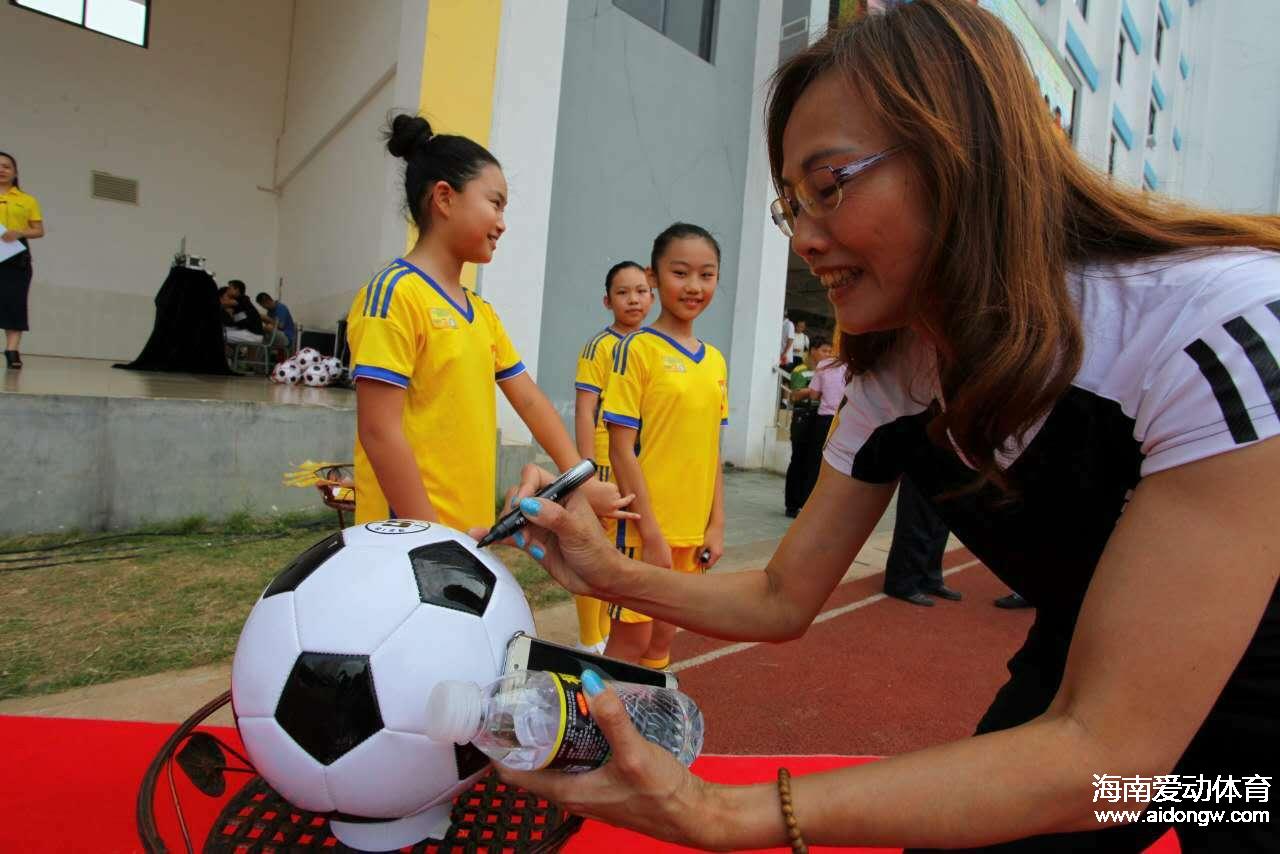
525	652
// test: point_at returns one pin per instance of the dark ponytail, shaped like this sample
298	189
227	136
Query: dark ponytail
14	161
430	157
679	231
615	270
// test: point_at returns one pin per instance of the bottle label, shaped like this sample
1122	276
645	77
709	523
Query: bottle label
580	744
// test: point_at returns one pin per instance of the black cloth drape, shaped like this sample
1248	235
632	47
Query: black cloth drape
187	336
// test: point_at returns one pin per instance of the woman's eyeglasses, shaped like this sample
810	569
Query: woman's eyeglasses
819	193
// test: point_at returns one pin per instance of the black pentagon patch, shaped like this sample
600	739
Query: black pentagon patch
469	759
328	705
450	576
304	564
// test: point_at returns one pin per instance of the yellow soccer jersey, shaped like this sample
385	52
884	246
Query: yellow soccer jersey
594	365
678	401
405	330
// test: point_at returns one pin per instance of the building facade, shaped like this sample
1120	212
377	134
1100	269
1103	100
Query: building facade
252	130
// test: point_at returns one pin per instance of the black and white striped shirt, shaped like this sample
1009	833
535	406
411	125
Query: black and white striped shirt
1180	363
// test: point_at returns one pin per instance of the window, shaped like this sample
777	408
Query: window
126	20
1083	6
1120	59
1151	118
1159	35
689	23
1111	156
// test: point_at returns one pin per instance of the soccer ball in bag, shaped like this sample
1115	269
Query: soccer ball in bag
287	372
335	663
306	357
315	375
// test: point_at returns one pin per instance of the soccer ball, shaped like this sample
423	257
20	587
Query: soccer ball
287	372
334	365
335	663
316	375
307	356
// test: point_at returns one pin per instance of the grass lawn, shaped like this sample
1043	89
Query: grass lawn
152	600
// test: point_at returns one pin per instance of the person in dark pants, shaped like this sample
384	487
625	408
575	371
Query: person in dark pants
803	409
914	569
813	409
20	222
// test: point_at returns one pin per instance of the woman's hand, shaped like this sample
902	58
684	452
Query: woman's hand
11	235
713	542
641	787
568	541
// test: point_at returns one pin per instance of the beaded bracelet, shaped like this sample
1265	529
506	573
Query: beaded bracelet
789	814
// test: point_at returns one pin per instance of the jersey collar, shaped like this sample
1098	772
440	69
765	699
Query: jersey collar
468	314
694	357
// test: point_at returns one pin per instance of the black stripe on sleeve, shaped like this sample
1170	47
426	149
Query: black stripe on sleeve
1261	358
1224	389
1275	308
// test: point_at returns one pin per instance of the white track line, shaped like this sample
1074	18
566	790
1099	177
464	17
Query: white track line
735	648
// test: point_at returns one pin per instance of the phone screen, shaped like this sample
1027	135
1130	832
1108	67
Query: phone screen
560	659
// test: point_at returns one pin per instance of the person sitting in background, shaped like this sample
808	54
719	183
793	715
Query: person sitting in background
278	316
242	327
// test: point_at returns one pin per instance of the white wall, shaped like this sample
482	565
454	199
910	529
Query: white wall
339	197
1231	133
193	118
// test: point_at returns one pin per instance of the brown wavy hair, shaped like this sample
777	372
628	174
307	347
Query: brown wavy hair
1014	208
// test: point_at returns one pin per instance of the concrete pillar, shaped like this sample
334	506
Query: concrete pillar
526	108
762	275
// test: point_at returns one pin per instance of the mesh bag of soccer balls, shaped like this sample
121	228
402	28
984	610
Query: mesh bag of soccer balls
309	367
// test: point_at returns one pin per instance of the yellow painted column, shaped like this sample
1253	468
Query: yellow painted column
459	64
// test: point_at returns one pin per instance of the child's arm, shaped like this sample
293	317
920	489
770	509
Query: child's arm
626	468
713	539
540	417
584	422
544	423
379	409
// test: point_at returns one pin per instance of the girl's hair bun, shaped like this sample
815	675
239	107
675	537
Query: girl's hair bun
406	134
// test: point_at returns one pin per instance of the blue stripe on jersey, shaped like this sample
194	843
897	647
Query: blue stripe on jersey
696	357
368	289
468	314
724	422
623	420
586	387
589	352
621	540
391	286
513	371
375	291
381	374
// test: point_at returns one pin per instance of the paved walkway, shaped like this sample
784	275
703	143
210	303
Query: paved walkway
754	526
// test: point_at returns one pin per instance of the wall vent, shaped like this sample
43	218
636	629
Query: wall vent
114	188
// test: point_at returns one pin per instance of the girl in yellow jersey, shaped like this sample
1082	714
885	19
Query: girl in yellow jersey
427	352
20	221
665	403
627	294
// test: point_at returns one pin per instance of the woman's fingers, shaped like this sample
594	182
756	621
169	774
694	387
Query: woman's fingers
629	746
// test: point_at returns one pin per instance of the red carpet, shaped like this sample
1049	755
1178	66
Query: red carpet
70	785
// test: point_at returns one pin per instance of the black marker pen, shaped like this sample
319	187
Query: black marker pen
554	491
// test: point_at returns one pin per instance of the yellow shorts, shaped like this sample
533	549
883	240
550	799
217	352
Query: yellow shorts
683	559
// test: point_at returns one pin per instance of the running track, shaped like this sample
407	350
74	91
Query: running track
875	676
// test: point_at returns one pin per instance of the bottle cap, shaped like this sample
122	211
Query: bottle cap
453	711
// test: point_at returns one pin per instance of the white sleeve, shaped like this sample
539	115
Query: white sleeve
1216	385
866	441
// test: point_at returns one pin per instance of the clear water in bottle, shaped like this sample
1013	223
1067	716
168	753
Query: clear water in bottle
533	719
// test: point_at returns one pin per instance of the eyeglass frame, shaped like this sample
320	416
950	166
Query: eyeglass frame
841	174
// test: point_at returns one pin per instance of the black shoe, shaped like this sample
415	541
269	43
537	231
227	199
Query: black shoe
1013	600
792	513
942	591
12	359
916	598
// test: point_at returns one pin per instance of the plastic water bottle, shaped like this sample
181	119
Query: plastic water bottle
533	719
